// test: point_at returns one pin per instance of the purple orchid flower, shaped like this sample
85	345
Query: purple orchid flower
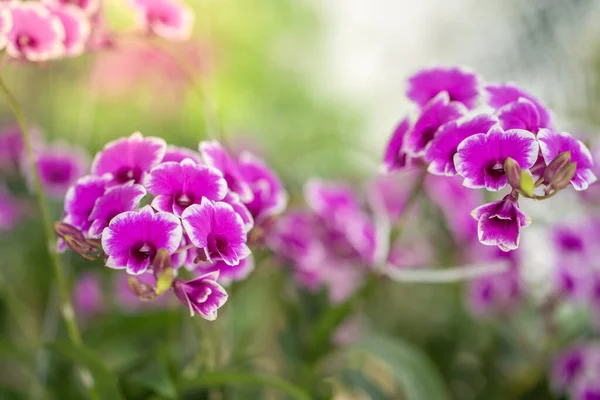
587	388
87	295
169	19
227	273
116	200
499	95
395	156
130	158
132	238
76	26
60	166
203	295
269	195
571	275
554	143
216	156
12	147
435	113
178	154
500	223
9	211
461	84
217	230
480	158
81	198
443	147
388	194
35	35
179	185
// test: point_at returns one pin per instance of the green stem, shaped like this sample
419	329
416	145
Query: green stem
66	307
232	378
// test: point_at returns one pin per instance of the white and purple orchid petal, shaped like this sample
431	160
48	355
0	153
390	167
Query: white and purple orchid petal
461	84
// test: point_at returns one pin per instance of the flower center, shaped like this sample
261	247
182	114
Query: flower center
184	199
143	251
25	41
222	244
127	174
495	171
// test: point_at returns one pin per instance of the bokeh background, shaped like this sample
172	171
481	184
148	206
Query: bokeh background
315	87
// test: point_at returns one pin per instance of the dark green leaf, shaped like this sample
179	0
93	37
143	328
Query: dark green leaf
415	374
355	379
105	383
233	378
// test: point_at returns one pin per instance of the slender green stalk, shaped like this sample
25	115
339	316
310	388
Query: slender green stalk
66	307
233	378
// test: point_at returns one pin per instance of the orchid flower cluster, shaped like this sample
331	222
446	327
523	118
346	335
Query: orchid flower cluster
202	207
493	136
50	29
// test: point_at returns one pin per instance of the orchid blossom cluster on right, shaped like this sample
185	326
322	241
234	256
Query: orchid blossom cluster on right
494	136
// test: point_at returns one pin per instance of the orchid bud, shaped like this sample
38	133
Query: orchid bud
63	230
81	247
560	162
163	271
141	290
519	179
562	177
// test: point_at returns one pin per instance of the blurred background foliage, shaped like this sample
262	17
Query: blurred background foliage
251	61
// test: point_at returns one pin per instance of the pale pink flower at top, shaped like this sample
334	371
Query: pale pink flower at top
76	25
90	7
36	34
169	19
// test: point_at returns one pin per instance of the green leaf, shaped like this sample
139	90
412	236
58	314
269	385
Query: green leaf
234	378
153	373
416	375
355	379
527	183
104	382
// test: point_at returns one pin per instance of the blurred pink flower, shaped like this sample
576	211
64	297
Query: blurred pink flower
59	167
36	34
138	68
169	19
87	295
76	25
88	6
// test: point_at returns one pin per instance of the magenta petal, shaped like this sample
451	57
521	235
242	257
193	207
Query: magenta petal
499	95
129	159
203	295
554	143
81	198
228	273
59	167
197	221
116	200
216	156
395	157
76	26
436	113
520	114
36	34
461	84
440	153
234	201
178	154
89	7
269	195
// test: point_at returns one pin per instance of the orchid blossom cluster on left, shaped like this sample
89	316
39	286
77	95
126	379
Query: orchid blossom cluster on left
50	29
150	209
494	136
